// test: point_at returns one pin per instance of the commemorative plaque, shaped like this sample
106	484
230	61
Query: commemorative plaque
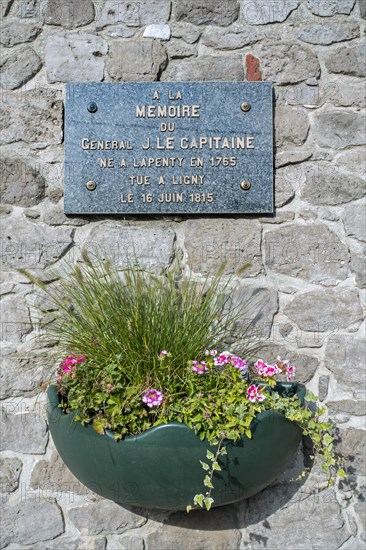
169	148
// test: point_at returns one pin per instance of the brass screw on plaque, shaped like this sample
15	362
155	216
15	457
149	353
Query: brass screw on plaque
90	185
245	106
92	107
245	185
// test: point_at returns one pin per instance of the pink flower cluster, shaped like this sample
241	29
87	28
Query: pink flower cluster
280	366
68	364
254	394
266	370
153	398
227	358
199	367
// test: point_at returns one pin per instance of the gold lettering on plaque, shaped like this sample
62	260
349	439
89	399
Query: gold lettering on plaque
128	198
170	197
217	142
168	111
188	180
106	145
106	162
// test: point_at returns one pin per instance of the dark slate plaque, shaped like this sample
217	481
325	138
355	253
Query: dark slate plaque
169	148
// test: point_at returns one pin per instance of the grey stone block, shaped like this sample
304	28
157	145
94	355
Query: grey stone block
322	310
16	33
70	14
210	242
21	376
16	322
270	513
196	530
140	60
339	129
326	184
18	68
211	12
23	433
262	12
329	33
20	183
104	517
28	245
33	117
345	358
206	68
327	8
10	470
230	39
134	14
287	62
355	220
53	474
292	126
31	521
153	247
187	32
87	65
312	252
350	61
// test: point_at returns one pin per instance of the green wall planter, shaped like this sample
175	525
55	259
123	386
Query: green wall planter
160	468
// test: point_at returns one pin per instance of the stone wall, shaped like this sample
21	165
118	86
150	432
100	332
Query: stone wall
307	261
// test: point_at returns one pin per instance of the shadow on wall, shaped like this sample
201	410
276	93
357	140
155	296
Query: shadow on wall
233	516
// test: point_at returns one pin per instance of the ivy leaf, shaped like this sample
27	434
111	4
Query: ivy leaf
311	397
198	499
207	482
341	473
98	426
327	440
204	465
210	455
216	466
208	502
188	508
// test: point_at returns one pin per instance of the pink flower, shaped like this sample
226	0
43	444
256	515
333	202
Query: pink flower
290	371
68	364
254	394
238	363
284	366
152	398
222	359
266	370
199	368
227	358
163	353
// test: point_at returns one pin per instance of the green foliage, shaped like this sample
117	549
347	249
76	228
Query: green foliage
122	321
128	317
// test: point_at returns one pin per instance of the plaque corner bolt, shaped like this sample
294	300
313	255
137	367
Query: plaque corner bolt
90	185
245	185
92	107
245	106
